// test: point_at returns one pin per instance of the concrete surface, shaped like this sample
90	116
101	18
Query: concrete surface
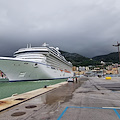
88	99
20	98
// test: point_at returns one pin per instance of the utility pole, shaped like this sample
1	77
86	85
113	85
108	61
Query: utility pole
118	44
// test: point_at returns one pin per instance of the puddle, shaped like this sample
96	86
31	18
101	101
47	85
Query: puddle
63	93
18	114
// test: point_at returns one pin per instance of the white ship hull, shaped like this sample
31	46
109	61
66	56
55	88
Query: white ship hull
22	70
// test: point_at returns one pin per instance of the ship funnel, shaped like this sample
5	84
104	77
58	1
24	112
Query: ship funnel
45	45
57	48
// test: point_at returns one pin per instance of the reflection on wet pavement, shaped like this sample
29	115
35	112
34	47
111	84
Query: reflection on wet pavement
63	93
43	107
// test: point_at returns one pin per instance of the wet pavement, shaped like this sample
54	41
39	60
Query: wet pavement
88	99
47	103
111	86
63	93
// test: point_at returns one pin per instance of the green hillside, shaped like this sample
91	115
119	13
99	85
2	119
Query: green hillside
78	60
112	57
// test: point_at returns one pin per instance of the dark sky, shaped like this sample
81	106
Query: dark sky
87	27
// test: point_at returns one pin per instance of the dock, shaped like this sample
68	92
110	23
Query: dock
86	99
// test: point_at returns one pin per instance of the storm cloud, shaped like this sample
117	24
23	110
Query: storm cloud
87	27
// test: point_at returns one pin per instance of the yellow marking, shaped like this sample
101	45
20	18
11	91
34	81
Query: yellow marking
108	78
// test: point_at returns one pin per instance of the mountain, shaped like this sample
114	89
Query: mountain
78	60
112	57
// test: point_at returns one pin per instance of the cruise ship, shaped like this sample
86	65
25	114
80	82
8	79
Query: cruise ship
36	63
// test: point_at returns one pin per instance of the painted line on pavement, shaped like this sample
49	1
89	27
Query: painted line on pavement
117	113
118	108
108	108
63	113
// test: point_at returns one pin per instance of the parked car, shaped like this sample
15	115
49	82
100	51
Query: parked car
70	79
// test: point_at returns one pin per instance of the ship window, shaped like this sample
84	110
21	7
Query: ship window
30	52
25	63
52	68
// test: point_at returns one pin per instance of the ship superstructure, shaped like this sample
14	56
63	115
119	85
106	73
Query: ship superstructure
36	63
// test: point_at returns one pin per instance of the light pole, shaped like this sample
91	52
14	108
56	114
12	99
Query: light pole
118	44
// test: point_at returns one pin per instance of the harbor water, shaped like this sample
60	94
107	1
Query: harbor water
7	89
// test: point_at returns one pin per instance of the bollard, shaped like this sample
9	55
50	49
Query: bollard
108	78
45	86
